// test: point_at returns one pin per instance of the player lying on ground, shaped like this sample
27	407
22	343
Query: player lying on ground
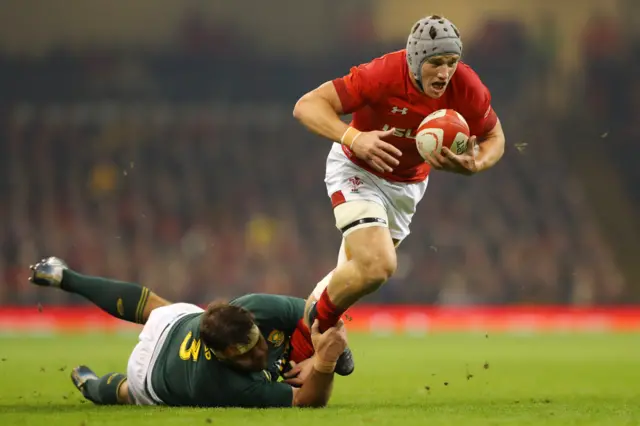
230	355
375	175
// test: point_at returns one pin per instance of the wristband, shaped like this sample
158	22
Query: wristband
325	367
349	137
354	140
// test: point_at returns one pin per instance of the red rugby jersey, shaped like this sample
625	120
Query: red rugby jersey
380	96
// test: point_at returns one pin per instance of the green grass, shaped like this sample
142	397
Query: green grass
527	380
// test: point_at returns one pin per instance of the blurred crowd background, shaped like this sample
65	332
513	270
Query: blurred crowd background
154	142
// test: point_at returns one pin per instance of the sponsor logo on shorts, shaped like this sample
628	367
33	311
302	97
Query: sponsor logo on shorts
355	183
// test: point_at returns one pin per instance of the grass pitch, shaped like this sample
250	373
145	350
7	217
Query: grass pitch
452	379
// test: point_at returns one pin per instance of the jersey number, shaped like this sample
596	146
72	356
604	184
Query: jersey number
192	351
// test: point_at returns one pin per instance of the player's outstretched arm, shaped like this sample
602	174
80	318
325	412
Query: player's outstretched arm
319	110
316	389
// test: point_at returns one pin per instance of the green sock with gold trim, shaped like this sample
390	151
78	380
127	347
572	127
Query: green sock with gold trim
104	391
121	299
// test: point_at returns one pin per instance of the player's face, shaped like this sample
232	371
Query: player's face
436	73
255	359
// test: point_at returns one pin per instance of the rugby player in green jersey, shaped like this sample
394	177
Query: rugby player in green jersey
229	355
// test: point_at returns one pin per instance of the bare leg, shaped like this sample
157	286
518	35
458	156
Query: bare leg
370	260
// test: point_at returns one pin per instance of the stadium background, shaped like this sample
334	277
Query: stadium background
153	141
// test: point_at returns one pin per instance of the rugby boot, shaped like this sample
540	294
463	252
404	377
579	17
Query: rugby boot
80	376
48	272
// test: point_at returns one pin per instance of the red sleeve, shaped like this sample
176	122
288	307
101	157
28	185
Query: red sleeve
361	86
476	105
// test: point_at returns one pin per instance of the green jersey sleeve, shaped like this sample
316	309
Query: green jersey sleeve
275	311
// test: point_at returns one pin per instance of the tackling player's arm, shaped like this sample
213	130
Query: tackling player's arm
316	389
320	111
314	392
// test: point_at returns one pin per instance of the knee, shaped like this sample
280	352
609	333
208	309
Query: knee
376	267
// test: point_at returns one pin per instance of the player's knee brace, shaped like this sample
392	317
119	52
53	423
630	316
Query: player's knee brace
359	214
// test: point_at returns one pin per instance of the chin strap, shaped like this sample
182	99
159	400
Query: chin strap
419	78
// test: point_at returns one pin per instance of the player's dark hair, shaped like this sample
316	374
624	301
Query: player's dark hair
223	325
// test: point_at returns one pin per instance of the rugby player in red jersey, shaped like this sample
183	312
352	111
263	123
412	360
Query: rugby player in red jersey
375	176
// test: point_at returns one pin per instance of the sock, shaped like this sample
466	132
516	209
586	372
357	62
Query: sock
121	299
328	314
104	391
301	345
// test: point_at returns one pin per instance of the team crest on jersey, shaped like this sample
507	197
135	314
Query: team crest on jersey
276	337
355	183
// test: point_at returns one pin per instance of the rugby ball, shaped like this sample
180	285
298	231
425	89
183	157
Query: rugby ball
444	127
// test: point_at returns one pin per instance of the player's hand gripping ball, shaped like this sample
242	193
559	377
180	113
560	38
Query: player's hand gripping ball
441	128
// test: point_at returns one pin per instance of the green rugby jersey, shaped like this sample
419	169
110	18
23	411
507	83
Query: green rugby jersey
187	373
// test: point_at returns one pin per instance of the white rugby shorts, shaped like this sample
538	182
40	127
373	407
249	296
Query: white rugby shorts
398	199
151	340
